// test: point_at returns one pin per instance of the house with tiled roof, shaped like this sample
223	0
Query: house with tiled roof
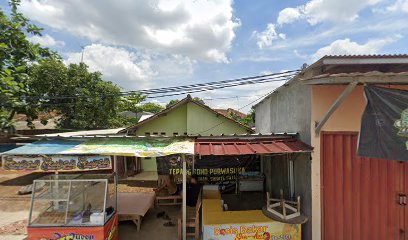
188	117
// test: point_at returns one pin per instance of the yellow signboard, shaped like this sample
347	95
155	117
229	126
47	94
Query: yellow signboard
266	231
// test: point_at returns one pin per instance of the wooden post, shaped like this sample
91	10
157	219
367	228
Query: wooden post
184	196
349	89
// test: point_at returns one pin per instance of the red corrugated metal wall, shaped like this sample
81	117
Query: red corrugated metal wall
360	195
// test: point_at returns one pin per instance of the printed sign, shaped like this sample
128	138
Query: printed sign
384	126
57	163
264	231
210	169
107	232
71	236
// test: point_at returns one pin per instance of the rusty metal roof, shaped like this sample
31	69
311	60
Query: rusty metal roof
368	56
250	147
359	74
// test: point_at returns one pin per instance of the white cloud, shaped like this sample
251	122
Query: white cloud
170	26
318	11
265	38
399	5
348	47
46	41
289	15
133	70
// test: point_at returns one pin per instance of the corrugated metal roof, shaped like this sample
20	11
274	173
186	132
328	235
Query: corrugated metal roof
249	147
368	56
359	74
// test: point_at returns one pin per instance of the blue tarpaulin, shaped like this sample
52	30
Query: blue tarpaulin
7	147
45	147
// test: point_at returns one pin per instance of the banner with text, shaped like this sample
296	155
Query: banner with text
264	231
210	169
57	163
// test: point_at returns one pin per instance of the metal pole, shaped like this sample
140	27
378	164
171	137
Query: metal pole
115	164
291	177
184	196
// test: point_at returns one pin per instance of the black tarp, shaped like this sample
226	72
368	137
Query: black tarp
384	125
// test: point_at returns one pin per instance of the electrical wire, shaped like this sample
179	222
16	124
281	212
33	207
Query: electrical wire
211	128
174	91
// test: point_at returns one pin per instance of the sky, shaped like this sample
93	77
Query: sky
140	44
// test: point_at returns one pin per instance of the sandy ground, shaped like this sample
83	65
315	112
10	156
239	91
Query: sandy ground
14	209
152	227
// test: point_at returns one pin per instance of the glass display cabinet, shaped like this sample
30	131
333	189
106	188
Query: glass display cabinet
74	205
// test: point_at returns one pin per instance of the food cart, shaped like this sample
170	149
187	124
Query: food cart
82	154
219	223
74	206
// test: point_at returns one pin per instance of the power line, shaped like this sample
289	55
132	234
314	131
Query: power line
211	128
160	90
180	90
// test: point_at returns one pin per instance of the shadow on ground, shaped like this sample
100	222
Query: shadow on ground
152	227
22	180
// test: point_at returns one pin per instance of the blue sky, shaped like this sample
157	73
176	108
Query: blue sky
141	44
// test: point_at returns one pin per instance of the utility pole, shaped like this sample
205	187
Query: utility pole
82	54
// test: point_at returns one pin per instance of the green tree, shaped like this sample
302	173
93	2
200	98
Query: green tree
248	121
152	107
82	99
172	102
132	103
16	55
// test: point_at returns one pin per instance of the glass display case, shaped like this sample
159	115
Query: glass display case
68	200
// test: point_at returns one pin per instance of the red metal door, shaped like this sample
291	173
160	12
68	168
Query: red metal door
360	195
404	231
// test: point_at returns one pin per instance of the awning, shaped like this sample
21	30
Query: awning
249	147
107	146
45	147
134	147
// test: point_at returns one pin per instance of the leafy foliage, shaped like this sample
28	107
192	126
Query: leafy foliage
174	101
152	107
17	54
82	98
248	121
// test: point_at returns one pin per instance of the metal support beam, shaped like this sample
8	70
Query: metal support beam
349	89
184	196
115	164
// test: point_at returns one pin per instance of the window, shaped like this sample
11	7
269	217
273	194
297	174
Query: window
155	133
175	133
147	133
163	133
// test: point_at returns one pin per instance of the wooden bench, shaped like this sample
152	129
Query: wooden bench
137	219
133	206
168	200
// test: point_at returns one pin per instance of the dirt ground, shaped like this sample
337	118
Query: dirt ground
15	208
152	227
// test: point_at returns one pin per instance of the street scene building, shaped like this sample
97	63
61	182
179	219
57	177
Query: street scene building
205	120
